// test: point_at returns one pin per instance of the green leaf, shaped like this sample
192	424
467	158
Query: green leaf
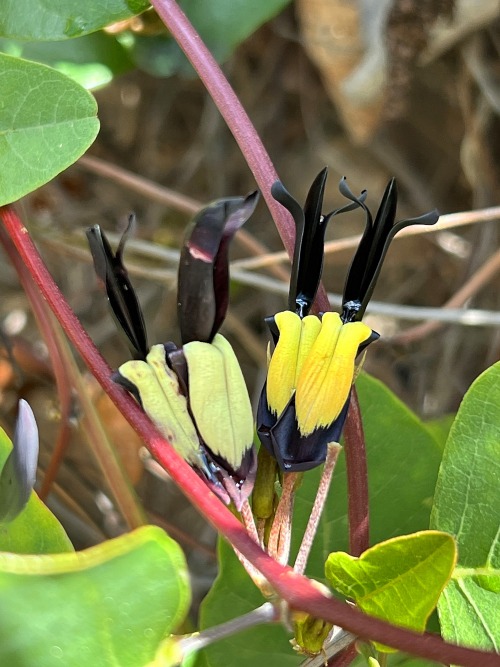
35	530
46	122
440	429
63	19
467	505
109	605
403	461
91	61
399	580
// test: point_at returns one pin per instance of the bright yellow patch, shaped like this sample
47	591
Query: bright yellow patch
295	342
219	398
162	401
327	375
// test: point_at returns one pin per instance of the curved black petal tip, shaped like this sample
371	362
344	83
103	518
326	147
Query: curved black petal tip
310	224
113	275
203	288
368	259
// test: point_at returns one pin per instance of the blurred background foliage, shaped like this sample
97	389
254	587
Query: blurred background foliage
373	89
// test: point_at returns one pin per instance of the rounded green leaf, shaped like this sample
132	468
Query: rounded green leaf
63	19
46	122
35	530
399	580
467	505
109	605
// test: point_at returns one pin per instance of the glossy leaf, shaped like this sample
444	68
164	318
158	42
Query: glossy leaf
396	471
109	605
46	122
467	505
63	19
35	530
399	580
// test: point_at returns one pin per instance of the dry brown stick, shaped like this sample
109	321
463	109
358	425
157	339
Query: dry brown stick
471	287
446	222
169	197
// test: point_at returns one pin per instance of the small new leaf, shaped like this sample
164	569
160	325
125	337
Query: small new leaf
399	580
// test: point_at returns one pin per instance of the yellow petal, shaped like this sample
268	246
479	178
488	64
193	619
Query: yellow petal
311	326
326	378
162	401
219	399
295	340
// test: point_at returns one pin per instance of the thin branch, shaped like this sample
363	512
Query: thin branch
281	530
473	285
462	316
357	479
235	117
334	450
345	658
446	222
173	199
63	386
264	614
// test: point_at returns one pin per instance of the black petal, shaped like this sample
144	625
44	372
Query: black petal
310	226
203	289
368	259
121	295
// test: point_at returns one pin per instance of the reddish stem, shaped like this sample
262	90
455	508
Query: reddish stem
63	383
296	589
357	479
236	119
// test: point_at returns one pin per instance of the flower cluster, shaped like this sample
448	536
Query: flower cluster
196	395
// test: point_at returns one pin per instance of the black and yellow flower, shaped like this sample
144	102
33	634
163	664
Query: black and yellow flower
195	395
305	400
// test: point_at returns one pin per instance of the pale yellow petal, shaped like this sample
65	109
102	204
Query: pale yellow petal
162	401
219	399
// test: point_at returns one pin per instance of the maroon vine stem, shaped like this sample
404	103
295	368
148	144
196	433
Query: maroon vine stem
63	383
235	117
357	479
64	370
296	589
